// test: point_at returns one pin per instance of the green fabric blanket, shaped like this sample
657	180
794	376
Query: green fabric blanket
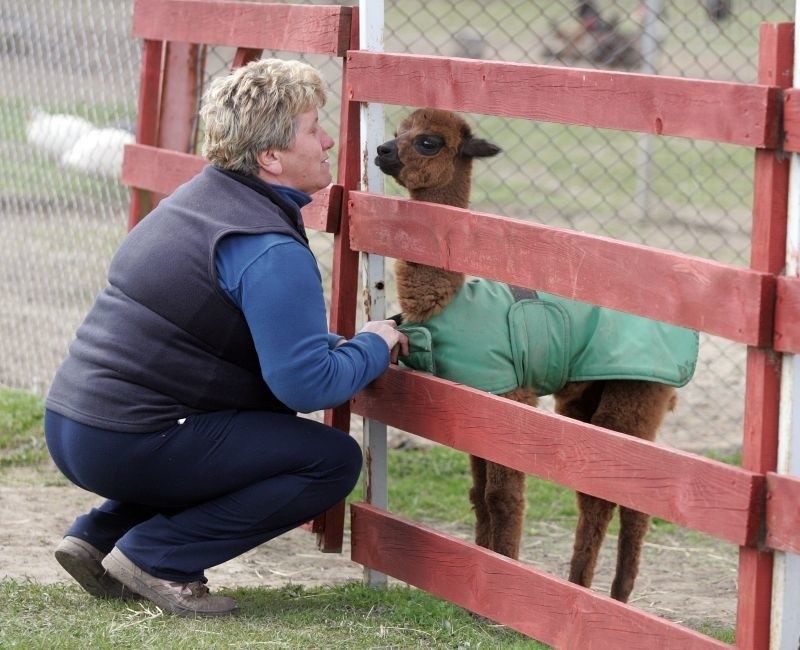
489	339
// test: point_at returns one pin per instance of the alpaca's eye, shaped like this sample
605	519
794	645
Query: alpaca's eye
428	145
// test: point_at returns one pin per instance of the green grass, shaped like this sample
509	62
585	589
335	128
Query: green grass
21	432
432	485
348	616
428	485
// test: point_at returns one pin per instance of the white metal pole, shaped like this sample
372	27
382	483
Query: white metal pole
785	619
371	17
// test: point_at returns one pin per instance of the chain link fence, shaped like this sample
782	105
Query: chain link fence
68	81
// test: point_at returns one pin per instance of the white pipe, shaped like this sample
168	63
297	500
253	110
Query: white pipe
371	19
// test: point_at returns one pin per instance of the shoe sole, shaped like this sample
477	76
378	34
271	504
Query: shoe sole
76	560
122	572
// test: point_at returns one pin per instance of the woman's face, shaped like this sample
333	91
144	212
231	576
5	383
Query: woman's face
305	165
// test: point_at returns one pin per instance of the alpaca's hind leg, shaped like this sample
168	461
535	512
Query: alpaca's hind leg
579	401
636	408
632	531
498	498
477	495
505	499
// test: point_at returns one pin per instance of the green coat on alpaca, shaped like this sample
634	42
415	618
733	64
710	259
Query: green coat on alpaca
491	338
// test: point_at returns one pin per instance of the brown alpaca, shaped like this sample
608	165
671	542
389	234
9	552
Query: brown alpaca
431	156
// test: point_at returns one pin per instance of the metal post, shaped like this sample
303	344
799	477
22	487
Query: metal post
376	490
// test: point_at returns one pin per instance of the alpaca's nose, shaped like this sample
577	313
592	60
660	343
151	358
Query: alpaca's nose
385	148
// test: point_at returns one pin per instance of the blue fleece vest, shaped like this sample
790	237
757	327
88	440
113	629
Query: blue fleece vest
162	340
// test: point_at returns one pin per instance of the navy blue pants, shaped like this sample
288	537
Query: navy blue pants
199	493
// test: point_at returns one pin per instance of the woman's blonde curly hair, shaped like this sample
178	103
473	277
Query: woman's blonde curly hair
254	109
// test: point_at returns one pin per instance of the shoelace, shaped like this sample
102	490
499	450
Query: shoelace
195	589
198	589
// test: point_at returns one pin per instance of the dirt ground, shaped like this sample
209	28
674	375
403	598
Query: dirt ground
685	577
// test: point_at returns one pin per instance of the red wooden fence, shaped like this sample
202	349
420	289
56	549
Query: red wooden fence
739	304
752	306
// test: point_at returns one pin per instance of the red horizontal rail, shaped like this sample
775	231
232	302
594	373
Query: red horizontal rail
691	491
791	119
158	170
163	170
321	29
783	512
735	113
787	315
541	606
732	302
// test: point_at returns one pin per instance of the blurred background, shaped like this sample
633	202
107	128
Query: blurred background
69	72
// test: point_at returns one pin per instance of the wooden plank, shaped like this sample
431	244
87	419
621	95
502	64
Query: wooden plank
688	490
762	389
787	315
321	29
344	284
245	55
162	171
180	97
158	170
783	512
736	113
671	287
147	120
791	120
530	601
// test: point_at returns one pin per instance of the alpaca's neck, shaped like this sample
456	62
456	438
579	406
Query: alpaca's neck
455	193
424	291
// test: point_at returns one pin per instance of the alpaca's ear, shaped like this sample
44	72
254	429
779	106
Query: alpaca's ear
478	148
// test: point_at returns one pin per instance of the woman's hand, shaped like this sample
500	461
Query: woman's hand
387	330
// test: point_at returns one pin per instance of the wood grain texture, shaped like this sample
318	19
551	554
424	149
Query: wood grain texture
320	29
162	171
689	490
142	201
344	281
787	315
791	120
180	97
783	512
735	113
690	291
541	606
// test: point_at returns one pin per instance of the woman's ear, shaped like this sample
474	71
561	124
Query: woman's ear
269	162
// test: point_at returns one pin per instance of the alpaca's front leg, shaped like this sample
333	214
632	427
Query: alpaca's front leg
505	499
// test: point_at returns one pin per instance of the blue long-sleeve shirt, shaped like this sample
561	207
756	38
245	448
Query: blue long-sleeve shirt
276	283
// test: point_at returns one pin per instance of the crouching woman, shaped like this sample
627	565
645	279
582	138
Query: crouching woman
177	402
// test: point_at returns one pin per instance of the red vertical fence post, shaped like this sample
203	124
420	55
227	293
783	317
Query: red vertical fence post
344	286
762	393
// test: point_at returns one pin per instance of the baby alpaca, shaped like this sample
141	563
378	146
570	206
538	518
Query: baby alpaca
523	344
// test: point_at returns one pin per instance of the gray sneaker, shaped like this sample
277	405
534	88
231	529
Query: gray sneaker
83	562
181	598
